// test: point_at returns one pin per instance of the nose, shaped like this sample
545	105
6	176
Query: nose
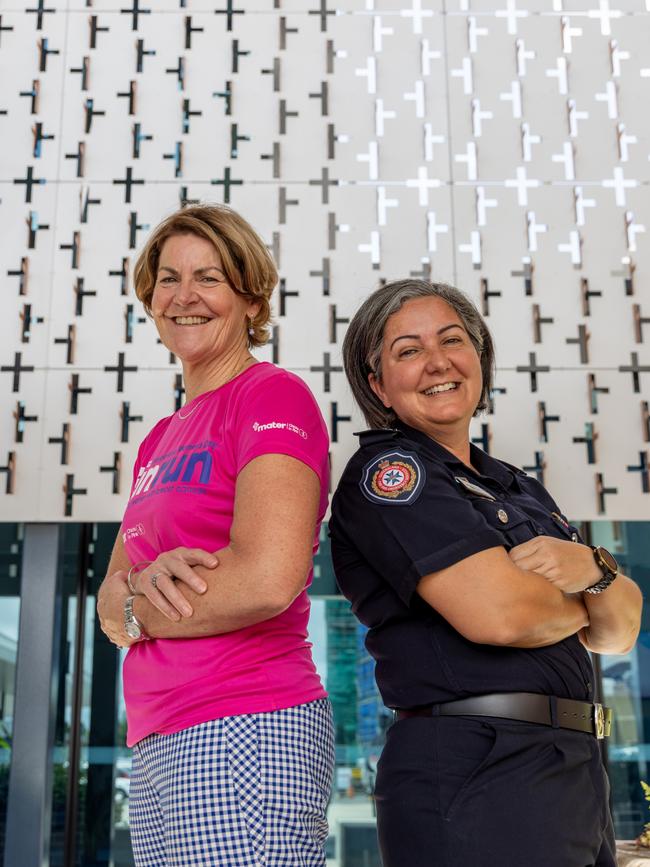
185	292
437	360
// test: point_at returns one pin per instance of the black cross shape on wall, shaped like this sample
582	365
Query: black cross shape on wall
135	12
75	390
229	11
17	368
227	182
323	12
29	181
21	420
636	370
121	368
127	418
544	419
70	492
538	467
128	182
39	11
643	468
533	369
114	468
326	369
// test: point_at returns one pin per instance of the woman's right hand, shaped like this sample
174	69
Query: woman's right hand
160	579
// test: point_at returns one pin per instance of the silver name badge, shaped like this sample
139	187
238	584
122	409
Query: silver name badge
474	489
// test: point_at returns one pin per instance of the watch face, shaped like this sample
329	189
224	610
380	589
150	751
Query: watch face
132	630
608	560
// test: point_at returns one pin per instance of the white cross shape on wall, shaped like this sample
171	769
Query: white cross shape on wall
378	33
560	72
522	184
473	248
568	33
430	140
482	205
511	13
417	97
527	140
574	116
615	57
426	56
605	14
369	71
373	248
522	57
632	229
380	116
533	229
383	204
619	184
609	96
566	159
573	247
423	183
433	230
513	96
372	158
465	72
478	117
473	32
580	205
417	14
623	141
469	157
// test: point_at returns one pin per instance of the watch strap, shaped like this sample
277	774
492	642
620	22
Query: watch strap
608	575
131	621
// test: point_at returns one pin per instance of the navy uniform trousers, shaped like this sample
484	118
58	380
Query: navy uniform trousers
478	792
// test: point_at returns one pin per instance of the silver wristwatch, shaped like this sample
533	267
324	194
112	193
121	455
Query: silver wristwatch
132	626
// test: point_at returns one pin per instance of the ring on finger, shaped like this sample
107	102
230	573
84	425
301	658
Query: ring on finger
155	577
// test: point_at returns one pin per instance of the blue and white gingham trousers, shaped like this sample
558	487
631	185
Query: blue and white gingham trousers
243	791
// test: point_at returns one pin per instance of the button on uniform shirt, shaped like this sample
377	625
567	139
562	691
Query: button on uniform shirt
406	507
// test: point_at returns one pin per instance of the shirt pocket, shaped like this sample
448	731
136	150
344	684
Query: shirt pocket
514	525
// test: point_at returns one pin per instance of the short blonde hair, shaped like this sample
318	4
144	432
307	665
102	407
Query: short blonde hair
246	262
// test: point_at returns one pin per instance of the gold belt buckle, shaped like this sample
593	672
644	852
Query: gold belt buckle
599	721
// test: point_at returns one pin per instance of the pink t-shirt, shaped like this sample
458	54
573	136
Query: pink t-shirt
183	495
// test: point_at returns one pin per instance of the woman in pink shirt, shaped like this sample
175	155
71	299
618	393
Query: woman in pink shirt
229	723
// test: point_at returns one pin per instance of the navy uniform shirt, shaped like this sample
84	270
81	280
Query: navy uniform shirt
405	507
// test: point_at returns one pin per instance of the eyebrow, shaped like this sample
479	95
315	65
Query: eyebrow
417	336
197	271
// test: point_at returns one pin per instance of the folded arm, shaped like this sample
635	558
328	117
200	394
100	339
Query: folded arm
489	600
614	614
261	571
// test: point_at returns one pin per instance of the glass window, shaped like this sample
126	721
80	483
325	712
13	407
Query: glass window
10	562
626	684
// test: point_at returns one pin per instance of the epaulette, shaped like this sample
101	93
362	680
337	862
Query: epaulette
376	435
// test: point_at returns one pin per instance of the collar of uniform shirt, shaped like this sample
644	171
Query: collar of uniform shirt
487	466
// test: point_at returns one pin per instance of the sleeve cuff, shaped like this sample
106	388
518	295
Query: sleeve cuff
447	557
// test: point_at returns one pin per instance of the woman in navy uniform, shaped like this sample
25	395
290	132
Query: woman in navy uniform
481	603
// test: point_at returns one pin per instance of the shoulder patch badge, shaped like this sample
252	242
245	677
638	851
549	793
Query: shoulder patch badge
393	478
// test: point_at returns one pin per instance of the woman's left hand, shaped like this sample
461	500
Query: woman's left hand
110	608
570	566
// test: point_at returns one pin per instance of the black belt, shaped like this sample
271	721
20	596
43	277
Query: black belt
547	710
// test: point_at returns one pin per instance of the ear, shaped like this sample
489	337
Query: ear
253	309
376	386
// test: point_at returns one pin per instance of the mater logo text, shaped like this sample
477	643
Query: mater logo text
280	425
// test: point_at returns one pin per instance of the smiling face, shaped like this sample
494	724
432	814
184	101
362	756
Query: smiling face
198	316
430	370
